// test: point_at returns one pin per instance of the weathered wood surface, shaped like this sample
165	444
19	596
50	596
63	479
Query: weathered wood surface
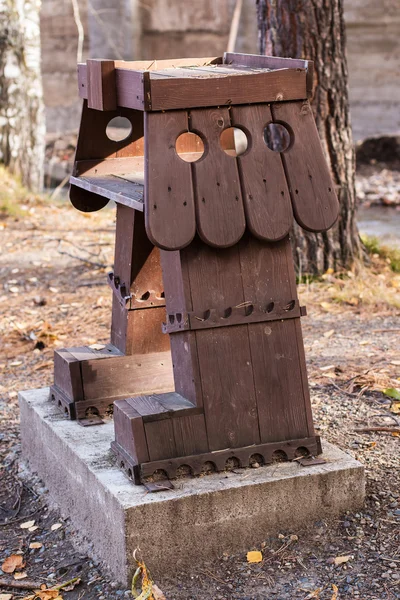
172	93
219	207
145	90
314	199
102	93
94	145
258	61
127	375
144	65
266	196
262	454
169	201
110	187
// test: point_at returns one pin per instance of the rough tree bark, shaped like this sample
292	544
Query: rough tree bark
21	110
314	29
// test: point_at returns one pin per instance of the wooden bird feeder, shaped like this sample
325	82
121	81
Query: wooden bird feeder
206	366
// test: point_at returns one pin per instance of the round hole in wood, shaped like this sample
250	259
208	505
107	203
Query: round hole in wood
270	307
159	475
227	312
290	305
208	467
277	137
234	141
301	451
256	460
119	129
232	463
189	147
184	471
279	456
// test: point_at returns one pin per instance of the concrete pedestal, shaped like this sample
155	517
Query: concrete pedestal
200	519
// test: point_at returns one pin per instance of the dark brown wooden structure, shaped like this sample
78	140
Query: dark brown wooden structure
206	363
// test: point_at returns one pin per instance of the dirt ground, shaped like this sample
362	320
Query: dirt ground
53	262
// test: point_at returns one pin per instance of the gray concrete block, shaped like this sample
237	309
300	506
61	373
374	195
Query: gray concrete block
198	520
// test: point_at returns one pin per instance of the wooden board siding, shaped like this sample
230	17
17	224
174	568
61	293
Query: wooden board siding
171	93
314	199
265	192
169	204
219	207
143	90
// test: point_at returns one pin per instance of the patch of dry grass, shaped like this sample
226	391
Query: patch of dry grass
376	287
14	197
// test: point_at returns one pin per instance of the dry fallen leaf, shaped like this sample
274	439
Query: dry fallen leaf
5	596
27	524
395	408
340	560
157	593
254	557
335	592
55	526
20	575
33	528
329	333
72	585
97	346
314	594
15	561
35	545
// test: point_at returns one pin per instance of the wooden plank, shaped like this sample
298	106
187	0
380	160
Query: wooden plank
131	166
129	431
219	208
160	439
67	374
127	376
102	93
190	435
183	345
272	62
315	204
266	196
223	354
172	93
110	188
139	331
278	365
169	201
147	405
144	65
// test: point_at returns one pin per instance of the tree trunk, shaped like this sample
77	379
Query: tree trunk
21	110
314	30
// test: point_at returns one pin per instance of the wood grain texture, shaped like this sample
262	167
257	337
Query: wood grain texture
219	208
272	62
102	94
266	196
67	374
171	93
190	435
127	376
144	65
94	145
169	201
129	431
277	353
224	354
160	439
315	204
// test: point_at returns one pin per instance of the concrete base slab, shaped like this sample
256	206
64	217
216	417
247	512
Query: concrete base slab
198	520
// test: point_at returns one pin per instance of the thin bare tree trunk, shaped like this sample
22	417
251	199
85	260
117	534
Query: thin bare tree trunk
314	29
21	108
